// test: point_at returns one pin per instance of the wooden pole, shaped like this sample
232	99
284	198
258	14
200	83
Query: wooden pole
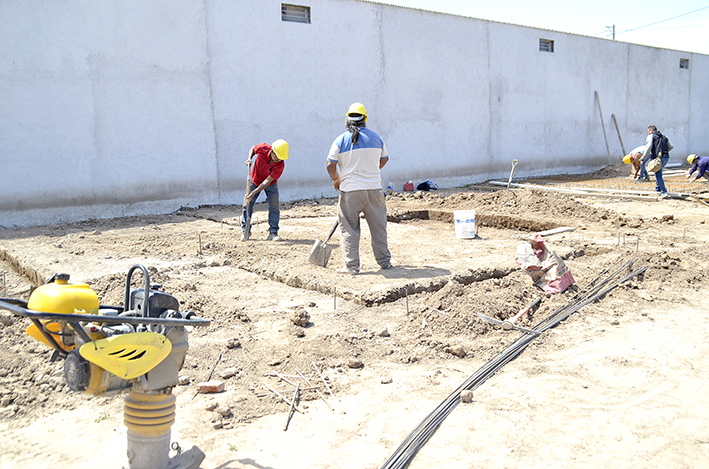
622	147
598	101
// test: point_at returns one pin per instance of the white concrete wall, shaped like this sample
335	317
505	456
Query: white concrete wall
105	109
112	108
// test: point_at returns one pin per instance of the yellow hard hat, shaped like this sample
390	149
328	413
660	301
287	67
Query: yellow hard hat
626	159
357	108
690	158
280	146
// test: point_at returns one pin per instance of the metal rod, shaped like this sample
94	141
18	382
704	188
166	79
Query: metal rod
209	375
287	376
292	406
323	379
80	331
312	387
596	192
285	399
19	307
48	335
275	373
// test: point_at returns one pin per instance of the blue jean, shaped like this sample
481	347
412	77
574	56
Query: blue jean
274	214
643	171
659	181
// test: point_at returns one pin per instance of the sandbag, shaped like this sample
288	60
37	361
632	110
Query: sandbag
546	268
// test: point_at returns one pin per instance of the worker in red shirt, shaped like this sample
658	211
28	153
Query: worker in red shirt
267	168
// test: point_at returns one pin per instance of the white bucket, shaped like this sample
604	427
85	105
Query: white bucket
464	223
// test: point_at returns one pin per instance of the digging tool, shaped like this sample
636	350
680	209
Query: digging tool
247	224
509	181
320	253
510	324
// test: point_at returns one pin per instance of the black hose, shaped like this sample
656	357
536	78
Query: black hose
422	433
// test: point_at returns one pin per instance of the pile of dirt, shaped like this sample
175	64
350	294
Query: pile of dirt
258	336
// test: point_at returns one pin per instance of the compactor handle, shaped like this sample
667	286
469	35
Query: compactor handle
146	276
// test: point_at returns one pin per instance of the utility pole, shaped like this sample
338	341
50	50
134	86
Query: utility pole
612	29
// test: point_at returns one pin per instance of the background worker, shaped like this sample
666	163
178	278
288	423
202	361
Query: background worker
265	172
658	146
635	157
699	164
360	154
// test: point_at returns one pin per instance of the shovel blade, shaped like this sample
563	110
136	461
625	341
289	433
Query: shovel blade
489	320
319	254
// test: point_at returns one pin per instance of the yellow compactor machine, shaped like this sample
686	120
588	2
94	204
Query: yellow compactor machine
137	349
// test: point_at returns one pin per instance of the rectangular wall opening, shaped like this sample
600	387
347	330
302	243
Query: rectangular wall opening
546	45
295	13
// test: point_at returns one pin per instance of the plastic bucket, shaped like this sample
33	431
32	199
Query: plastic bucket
464	223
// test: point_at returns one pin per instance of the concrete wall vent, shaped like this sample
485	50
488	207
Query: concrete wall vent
684	63
546	45
295	13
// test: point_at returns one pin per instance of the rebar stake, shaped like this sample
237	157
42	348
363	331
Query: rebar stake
406	289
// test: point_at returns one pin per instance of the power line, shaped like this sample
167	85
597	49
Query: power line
605	33
662	21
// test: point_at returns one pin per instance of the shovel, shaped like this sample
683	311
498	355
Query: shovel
320	253
509	324
509	181
247	224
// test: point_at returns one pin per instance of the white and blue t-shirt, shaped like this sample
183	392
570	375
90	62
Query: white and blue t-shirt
358	164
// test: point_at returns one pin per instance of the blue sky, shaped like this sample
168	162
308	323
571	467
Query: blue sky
650	22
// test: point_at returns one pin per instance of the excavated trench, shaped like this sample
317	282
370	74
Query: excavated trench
395	292
325	281
490	220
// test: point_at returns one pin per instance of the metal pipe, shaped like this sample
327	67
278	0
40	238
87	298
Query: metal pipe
19	307
421	434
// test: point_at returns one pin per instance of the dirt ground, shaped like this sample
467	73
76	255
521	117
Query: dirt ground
620	383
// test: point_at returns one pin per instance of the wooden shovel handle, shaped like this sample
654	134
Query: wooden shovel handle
525	310
332	231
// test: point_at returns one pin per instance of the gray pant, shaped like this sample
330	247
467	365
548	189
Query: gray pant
371	203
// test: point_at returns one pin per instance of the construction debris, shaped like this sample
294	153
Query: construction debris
210	387
599	287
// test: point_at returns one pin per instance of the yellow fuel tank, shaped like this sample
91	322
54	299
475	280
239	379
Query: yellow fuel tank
62	297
